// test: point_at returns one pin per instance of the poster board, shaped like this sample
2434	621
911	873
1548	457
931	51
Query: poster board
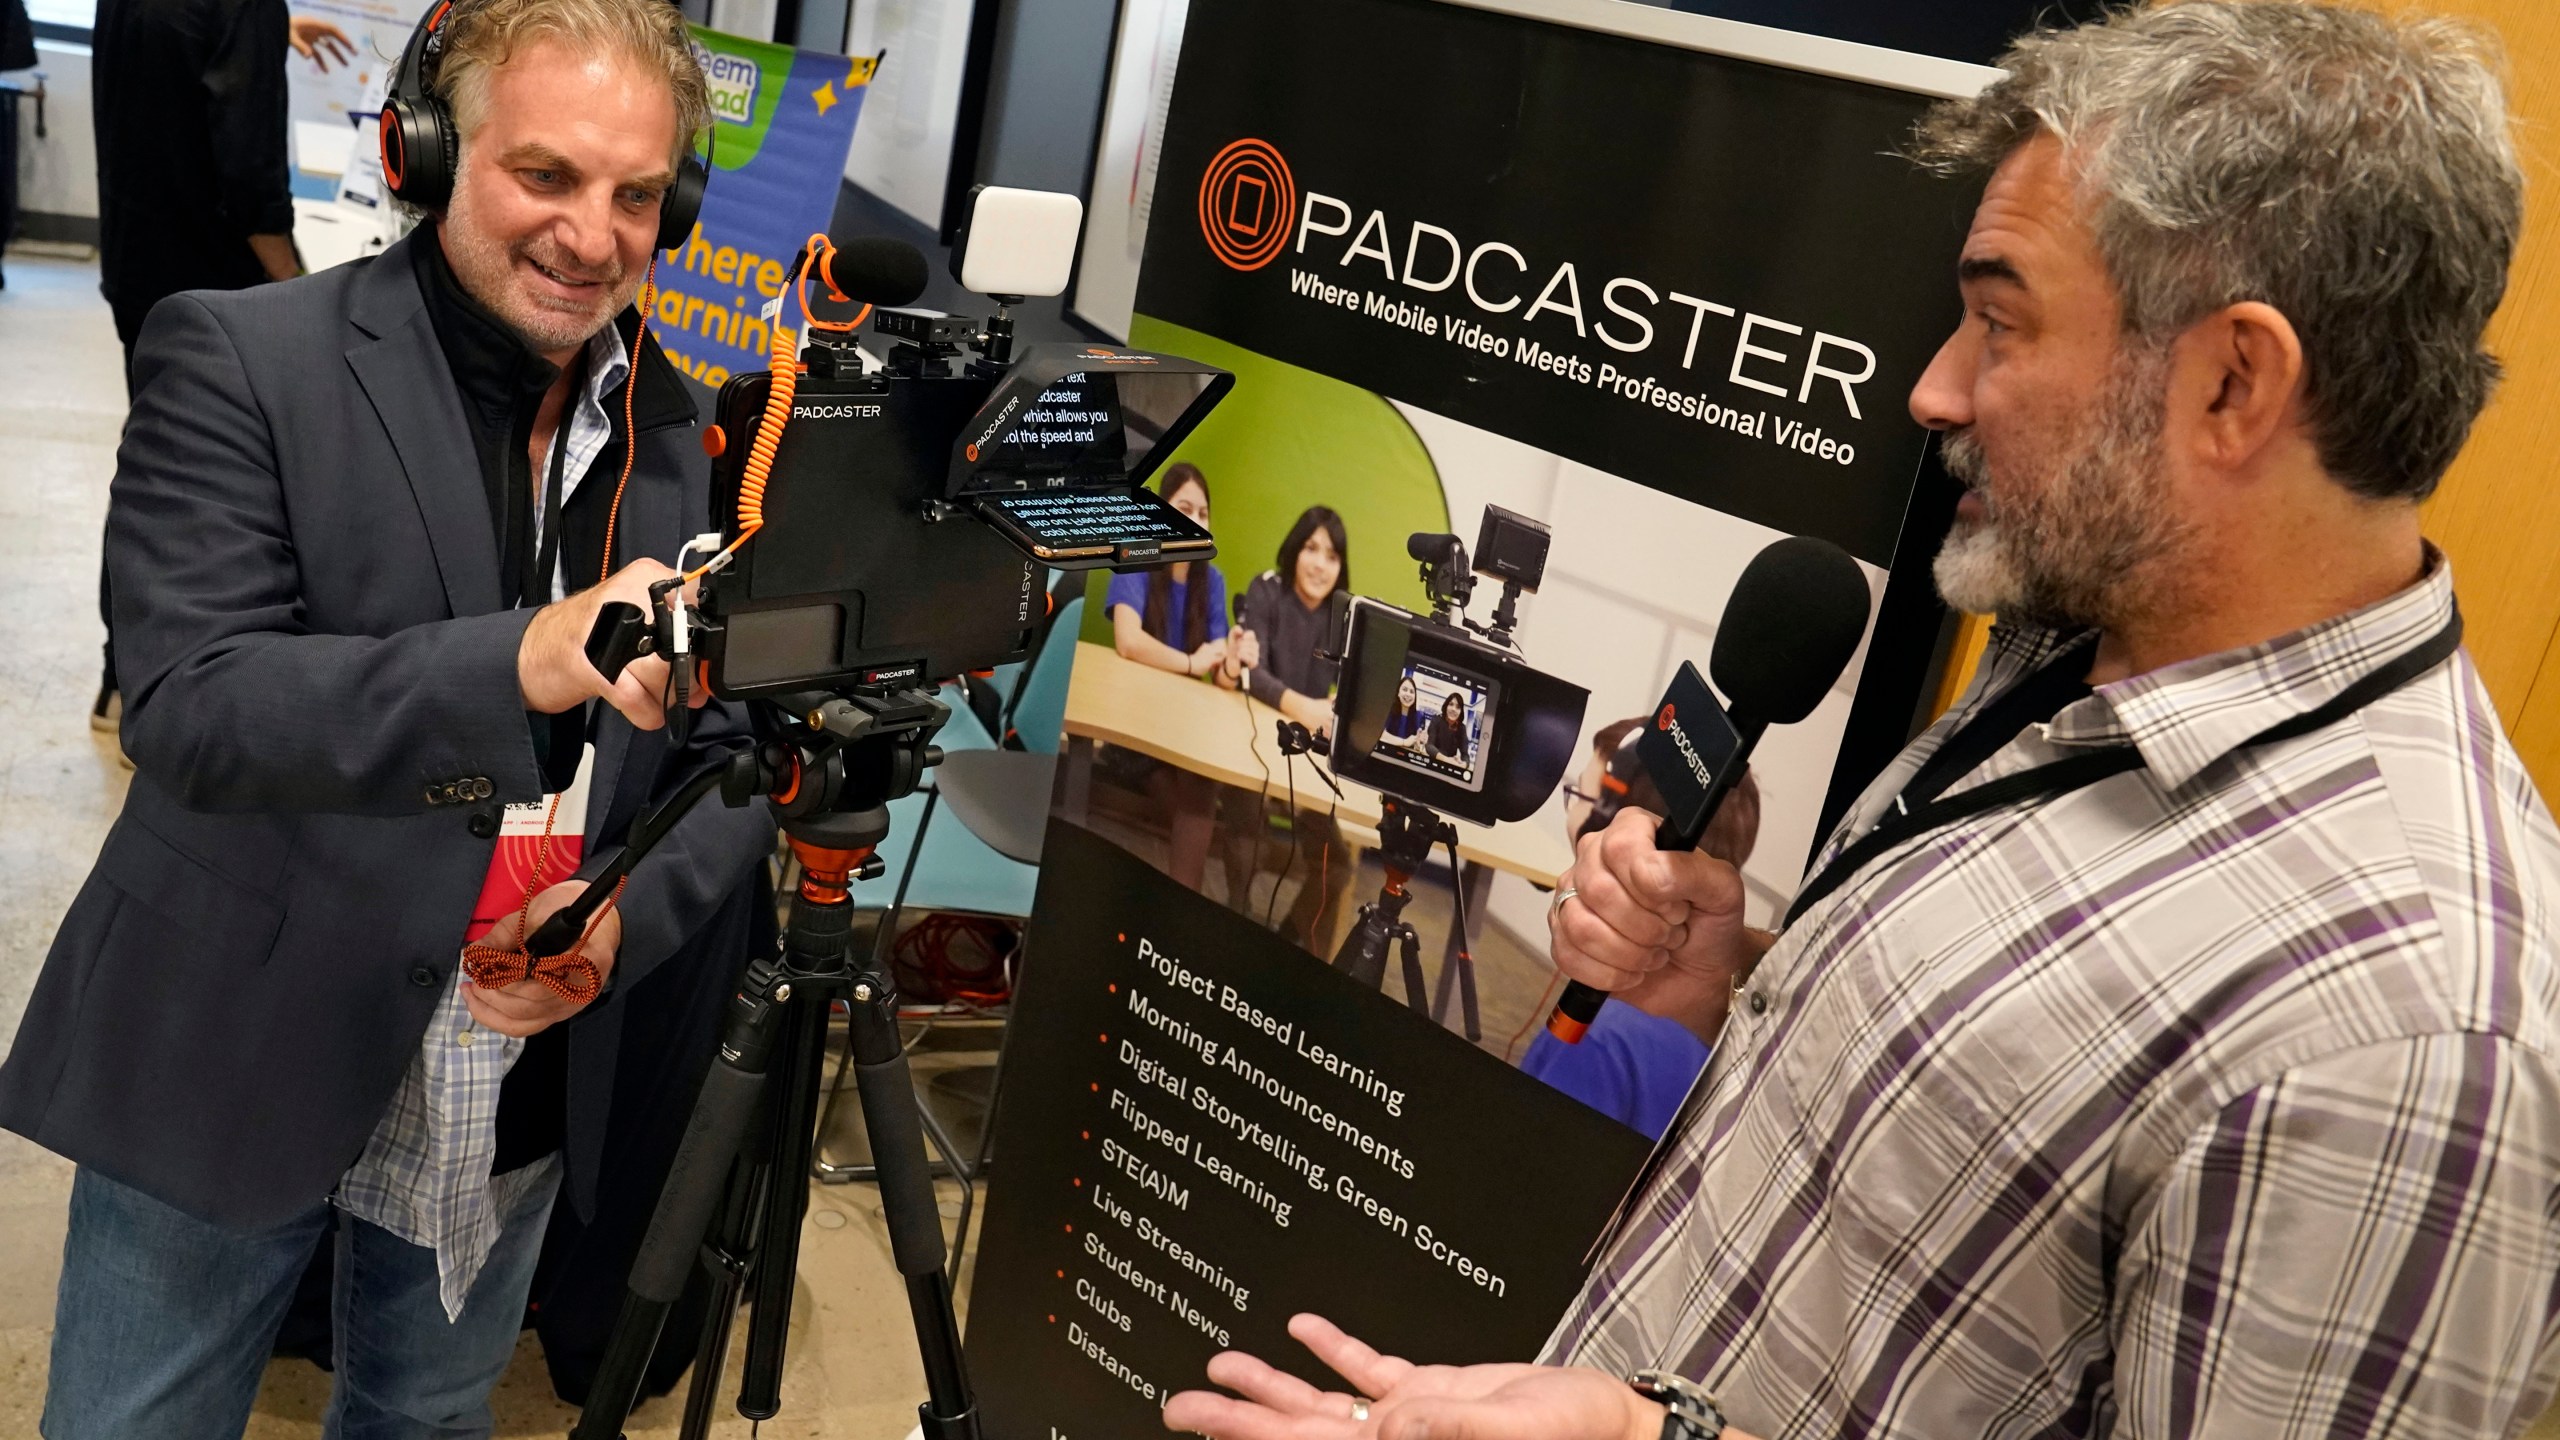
781	122
1652	281
1145	52
904	155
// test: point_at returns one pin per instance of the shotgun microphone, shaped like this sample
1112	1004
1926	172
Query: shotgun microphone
868	269
1793	620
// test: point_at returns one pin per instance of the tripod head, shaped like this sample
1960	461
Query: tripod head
827	761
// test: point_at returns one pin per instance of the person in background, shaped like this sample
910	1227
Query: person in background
1174	618
1634	1067
17	52
319	42
1405	725
1449	730
1291	612
194	192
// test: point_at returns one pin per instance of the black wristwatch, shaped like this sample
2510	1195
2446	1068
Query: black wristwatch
1691	1413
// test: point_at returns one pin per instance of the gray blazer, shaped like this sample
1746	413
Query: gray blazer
314	663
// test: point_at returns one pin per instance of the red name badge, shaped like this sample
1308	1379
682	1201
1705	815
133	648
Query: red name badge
539	845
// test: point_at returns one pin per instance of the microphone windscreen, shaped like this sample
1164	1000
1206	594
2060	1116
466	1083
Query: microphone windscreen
1793	621
1429	548
876	270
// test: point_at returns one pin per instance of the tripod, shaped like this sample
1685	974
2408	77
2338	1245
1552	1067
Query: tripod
1406	834
738	1189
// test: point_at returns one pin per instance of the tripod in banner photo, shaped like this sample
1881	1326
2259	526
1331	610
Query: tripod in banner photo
1408	831
738	1189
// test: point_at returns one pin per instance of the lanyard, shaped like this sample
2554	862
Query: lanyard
1909	820
546	560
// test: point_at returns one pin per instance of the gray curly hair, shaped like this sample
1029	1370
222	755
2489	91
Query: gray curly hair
2355	172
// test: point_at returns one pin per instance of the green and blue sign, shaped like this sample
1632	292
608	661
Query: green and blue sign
782	120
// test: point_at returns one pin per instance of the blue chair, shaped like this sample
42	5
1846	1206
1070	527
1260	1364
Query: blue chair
950	867
985	864
945	867
1039	716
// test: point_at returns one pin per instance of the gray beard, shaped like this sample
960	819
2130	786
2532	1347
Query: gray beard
2086	548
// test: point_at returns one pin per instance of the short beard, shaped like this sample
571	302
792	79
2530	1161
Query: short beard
485	265
2086	546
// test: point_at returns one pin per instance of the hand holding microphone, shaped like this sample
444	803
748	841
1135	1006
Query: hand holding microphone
1659	929
1622	915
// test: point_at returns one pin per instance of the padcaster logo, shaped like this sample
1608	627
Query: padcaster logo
1248	201
1664	723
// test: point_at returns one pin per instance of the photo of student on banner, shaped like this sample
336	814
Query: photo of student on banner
1174	619
1291	615
1186	771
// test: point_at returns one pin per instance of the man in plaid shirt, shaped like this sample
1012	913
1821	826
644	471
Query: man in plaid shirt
2168	1043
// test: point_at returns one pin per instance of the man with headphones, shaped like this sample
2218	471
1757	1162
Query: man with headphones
361	525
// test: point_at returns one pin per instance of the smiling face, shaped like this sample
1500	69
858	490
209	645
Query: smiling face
555	210
2053	417
1319	566
1406	695
1192	499
1453	709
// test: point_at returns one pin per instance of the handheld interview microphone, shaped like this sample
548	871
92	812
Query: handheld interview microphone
1793	620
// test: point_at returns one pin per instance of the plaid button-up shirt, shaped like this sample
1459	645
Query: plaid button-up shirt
2221	1097
424	1175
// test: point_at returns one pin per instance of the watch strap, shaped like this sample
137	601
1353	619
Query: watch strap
1690	1412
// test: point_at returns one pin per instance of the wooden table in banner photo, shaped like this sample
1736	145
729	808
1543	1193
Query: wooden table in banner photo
1229	737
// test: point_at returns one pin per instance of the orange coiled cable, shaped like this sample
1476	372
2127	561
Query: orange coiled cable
783	385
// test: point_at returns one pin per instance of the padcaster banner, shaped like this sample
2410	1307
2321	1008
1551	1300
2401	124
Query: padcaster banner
1546	318
782	120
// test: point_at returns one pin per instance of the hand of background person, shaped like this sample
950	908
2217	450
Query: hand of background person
1209	657
1307	710
276	256
1244	651
319	42
551	662
1410	1402
1659	929
528	1007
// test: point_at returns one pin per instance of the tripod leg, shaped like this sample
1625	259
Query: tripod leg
1416	997
895	1120
800	1071
702	1393
722	1114
1468	888
724	1266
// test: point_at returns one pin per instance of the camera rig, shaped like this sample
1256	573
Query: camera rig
881	526
1503	736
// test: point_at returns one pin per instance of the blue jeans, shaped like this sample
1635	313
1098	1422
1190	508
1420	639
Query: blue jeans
163	1323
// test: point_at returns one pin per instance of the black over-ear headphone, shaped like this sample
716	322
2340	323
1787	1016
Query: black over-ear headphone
420	148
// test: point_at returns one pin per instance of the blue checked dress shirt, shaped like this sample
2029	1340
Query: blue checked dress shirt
2219	1098
424	1175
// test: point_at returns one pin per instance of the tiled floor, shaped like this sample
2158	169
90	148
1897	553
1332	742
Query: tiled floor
853	1372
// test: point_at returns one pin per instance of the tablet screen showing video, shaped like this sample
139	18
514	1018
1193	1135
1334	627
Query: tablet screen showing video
1440	722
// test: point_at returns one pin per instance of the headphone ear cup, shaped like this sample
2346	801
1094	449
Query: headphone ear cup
418	152
682	204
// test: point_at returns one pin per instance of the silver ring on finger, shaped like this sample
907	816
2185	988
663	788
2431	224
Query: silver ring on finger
1359	1409
1563	894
